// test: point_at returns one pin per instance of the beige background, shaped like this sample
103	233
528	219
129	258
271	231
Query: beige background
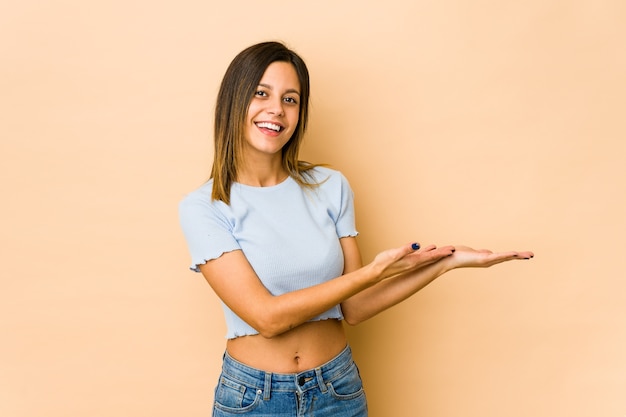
497	124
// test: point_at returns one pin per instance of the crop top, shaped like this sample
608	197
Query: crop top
288	233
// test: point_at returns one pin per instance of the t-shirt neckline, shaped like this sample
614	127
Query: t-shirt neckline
281	184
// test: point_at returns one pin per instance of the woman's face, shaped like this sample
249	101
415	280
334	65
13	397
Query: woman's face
274	111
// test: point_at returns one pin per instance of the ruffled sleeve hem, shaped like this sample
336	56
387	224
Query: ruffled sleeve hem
195	266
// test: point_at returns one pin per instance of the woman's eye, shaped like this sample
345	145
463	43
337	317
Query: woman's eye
260	93
291	100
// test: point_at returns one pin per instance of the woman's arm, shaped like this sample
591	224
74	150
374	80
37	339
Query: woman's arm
390	292
235	282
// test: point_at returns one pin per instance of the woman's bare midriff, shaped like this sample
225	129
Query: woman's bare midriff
305	347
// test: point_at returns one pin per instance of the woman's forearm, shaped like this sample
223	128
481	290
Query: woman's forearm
390	292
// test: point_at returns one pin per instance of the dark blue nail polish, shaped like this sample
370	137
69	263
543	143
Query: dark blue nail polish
415	246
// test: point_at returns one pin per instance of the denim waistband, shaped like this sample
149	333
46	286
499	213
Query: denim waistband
301	381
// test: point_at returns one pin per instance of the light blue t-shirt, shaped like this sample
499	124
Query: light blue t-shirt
289	234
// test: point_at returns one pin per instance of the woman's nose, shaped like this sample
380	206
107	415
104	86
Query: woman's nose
275	107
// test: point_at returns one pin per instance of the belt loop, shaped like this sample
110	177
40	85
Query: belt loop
320	379
267	389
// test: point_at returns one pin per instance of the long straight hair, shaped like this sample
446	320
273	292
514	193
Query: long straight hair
236	92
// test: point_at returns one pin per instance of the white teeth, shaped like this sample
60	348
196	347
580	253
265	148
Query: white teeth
268	125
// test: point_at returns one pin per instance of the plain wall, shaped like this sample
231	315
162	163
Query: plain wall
496	124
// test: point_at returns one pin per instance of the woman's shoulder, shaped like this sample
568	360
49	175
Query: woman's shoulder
329	181
201	196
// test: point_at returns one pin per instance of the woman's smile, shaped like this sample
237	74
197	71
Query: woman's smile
270	128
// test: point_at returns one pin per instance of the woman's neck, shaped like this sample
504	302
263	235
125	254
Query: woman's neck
261	175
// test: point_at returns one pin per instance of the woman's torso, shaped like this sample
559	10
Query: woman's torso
290	236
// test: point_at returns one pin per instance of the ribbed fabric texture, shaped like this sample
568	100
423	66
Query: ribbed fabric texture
289	234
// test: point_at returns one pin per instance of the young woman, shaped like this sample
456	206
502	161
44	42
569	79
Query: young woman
275	239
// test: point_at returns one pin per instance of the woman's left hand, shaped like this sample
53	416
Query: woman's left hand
466	257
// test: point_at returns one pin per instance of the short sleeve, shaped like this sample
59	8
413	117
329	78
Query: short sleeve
345	221
206	228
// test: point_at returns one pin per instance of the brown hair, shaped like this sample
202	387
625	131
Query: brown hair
236	91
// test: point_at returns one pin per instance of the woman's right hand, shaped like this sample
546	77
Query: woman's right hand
408	258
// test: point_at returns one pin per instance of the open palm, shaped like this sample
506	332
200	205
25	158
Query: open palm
466	257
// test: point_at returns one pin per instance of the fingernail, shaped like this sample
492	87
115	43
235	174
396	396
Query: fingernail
415	246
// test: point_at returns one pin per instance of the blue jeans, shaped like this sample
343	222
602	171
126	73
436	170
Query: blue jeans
333	389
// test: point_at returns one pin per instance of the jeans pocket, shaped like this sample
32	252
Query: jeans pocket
235	397
347	385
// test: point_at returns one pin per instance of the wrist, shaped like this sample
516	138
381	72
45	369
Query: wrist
447	264
374	272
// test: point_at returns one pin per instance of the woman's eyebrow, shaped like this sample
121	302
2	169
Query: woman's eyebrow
291	90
